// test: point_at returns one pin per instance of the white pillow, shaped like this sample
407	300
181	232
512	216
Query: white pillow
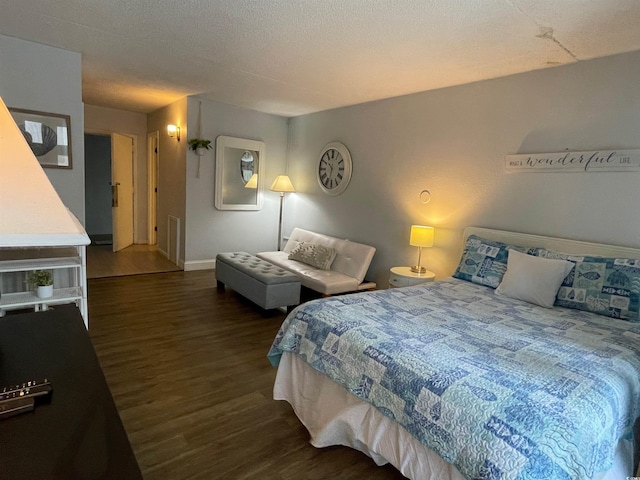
533	279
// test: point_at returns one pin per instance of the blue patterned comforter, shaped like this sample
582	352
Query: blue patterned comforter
500	388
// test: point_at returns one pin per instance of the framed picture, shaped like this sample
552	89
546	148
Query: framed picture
48	135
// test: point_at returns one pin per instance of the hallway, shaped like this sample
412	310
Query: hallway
133	260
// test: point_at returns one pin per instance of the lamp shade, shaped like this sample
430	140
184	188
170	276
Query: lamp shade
421	236
253	181
282	184
173	131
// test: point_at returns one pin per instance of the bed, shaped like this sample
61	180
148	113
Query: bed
461	379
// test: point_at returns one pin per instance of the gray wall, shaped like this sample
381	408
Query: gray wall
453	142
47	79
210	231
171	172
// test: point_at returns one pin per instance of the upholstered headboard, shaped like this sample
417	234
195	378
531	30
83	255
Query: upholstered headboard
575	247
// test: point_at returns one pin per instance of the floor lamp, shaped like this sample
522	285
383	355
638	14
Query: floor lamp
283	185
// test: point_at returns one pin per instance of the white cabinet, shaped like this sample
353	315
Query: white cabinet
37	230
69	268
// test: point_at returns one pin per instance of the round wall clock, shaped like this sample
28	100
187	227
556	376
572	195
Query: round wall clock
334	168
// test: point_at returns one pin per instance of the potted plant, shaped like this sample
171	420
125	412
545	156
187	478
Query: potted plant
200	145
42	281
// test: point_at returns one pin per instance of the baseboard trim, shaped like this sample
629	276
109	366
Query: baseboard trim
199	265
166	255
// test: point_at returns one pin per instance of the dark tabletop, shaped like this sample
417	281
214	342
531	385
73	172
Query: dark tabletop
78	434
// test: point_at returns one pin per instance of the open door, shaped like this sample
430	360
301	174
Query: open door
122	190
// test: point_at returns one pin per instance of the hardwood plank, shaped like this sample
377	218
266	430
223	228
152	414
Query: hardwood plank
186	364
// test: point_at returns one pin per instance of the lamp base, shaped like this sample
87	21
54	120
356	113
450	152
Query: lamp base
418	269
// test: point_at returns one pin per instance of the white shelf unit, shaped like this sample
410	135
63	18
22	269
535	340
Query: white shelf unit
72	259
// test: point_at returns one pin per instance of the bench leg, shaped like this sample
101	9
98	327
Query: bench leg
220	285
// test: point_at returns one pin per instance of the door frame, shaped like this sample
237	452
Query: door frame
153	169
134	137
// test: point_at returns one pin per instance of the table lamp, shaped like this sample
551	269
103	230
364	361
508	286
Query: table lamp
421	236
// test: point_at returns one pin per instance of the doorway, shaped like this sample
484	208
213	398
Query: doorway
153	142
104	259
97	178
109	189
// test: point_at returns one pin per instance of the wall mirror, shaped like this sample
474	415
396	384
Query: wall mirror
237	160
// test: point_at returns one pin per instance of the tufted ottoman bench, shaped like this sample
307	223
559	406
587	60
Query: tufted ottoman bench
261	282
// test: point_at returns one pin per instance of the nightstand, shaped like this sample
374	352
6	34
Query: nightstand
404	277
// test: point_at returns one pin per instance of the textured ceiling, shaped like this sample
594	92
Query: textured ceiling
291	57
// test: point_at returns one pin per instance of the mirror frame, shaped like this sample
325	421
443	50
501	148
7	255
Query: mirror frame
222	164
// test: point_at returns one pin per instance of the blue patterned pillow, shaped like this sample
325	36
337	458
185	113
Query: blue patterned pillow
603	285
484	261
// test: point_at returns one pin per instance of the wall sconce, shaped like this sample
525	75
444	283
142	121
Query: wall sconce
173	131
420	237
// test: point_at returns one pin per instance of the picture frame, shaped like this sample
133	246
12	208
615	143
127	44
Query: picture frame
48	135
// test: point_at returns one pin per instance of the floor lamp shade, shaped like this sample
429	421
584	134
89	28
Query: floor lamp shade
421	236
253	181
281	184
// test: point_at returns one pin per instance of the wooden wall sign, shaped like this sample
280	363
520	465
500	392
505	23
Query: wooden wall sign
590	161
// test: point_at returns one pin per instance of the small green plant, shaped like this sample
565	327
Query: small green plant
40	278
196	143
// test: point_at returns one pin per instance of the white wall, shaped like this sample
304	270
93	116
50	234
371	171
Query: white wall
453	142
48	79
210	231
109	120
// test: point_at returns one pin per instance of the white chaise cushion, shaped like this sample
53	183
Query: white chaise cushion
347	269
352	258
327	282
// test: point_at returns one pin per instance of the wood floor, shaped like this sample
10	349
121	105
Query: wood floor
102	261
187	367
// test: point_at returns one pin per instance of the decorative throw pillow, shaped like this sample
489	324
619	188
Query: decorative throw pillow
603	285
484	261
533	279
315	255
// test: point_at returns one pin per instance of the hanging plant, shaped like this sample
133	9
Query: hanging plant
199	145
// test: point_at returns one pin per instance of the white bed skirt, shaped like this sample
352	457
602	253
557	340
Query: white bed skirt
334	416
